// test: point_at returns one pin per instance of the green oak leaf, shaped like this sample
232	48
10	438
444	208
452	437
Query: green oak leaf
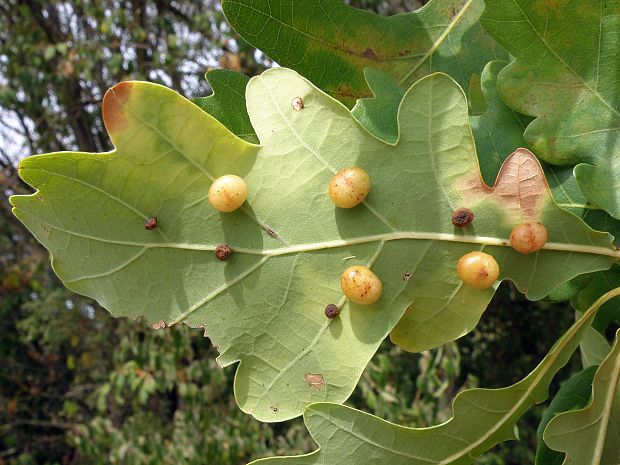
574	394
566	74
567	290
568	195
600	283
499	131
592	435
265	306
227	103
594	346
379	114
331	43
481	419
475	97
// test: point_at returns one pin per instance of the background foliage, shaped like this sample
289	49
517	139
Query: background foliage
79	387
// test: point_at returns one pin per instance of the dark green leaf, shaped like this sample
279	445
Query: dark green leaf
566	74
379	114
331	43
227	104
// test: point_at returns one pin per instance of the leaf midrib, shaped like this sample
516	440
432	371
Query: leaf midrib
451	25
387	237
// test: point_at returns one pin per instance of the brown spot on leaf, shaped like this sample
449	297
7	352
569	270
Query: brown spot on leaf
297	104
521	187
150	223
545	7
159	325
223	252
349	95
271	232
407	276
315	381
113	102
370	54
273	409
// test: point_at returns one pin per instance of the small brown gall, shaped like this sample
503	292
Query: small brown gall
150	223
297	104
332	311
361	285
462	217
223	252
478	270
527	238
349	187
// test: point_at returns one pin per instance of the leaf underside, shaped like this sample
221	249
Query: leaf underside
566	74
574	394
592	435
265	306
481	418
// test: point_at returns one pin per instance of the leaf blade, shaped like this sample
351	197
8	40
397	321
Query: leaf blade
346	435
573	394
290	244
331	43
566	75
227	103
576	432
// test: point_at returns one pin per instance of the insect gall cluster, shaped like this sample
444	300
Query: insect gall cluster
480	270
347	189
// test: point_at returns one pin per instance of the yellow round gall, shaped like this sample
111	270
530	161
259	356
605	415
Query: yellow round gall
349	187
361	285
527	238
227	193
478	270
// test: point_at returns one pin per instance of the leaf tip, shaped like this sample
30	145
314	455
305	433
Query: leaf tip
520	186
113	102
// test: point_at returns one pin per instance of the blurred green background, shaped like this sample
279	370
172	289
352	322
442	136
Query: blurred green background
78	387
